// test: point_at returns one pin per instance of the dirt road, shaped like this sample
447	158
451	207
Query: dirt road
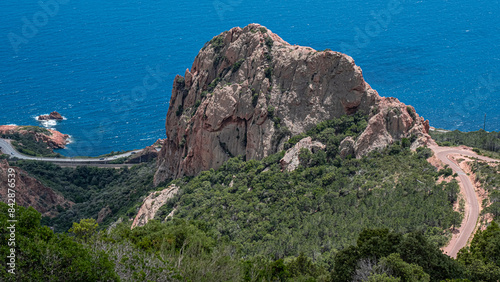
468	190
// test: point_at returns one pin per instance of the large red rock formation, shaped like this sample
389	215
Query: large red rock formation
247	81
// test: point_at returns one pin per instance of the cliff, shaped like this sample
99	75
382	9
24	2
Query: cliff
248	91
31	192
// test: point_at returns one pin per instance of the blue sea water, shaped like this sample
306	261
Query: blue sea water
88	59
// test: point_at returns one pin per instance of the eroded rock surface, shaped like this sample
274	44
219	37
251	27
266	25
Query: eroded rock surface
31	192
247	81
291	161
152	204
347	147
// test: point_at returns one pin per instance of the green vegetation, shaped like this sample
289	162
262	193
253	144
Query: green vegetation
379	218
93	189
42	255
255	97
489	177
482	258
213	84
320	207
36	129
410	257
179	111
29	145
180	82
237	65
217	43
268	72
270	111
180	250
488	141
269	42
121	160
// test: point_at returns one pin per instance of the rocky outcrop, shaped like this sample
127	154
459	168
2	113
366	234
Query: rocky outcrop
392	121
346	147
53	138
248	91
31	192
147	154
290	160
152	204
54	115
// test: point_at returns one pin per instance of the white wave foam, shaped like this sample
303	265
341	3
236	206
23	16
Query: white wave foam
36	117
48	123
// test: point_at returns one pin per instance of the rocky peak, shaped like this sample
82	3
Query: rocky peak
248	91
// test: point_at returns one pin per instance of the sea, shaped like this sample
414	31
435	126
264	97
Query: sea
89	60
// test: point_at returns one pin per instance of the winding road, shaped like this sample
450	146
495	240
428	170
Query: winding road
468	190
8	149
442	153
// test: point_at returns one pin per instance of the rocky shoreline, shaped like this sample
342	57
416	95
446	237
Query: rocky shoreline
53	138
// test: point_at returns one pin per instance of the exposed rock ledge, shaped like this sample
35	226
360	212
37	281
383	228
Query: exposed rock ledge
152	204
246	81
290	160
53	138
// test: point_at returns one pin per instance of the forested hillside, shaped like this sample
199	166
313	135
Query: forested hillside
106	191
379	218
324	204
188	251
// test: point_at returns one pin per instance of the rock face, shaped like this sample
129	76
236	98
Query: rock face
152	204
248	91
392	121
31	192
290	160
54	115
53	138
145	155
